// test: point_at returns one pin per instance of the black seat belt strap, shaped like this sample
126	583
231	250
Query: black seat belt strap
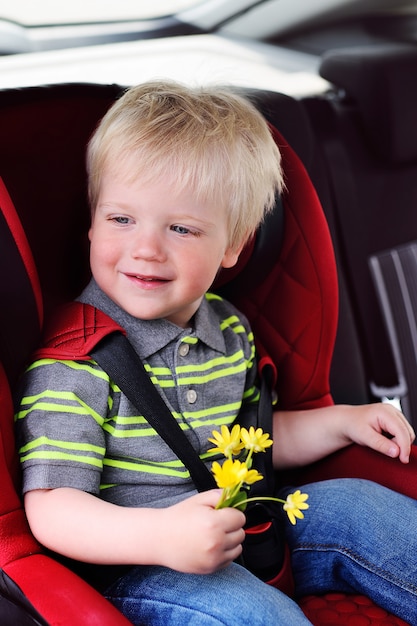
117	357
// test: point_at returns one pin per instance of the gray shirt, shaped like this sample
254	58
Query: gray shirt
76	428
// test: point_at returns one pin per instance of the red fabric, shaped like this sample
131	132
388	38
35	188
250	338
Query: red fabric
294	310
284	580
9	464
22	244
74	331
60	596
339	609
15	538
358	462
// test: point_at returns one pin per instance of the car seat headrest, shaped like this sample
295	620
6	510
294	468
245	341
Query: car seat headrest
257	258
382	81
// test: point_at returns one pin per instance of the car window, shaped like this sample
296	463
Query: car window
43	12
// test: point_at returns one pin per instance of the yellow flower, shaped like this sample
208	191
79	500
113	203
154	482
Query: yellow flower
235	476
252	477
227	442
294	503
232	473
255	440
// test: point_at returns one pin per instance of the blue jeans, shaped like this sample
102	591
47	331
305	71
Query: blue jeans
356	537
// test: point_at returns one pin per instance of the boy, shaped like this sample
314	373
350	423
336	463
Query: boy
179	179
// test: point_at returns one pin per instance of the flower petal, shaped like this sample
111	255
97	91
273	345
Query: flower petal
255	440
293	505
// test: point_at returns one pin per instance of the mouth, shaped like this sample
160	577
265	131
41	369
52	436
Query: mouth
147	281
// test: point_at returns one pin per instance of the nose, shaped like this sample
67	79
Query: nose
148	244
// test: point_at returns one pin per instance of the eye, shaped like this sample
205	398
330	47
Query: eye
120	219
184	230
181	230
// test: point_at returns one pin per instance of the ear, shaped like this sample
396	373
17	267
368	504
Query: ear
231	256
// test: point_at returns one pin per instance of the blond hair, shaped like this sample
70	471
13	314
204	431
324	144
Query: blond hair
206	139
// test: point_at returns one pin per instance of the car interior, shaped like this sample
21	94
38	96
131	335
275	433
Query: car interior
330	296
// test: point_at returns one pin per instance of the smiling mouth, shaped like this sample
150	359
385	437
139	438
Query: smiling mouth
149	280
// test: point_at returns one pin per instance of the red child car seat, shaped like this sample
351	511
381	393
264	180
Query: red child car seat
34	588
290	299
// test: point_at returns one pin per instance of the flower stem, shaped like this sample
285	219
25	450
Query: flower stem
270	498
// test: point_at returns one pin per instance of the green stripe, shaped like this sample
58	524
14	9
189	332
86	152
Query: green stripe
45	441
213	363
212	296
36	404
223	373
91	367
124	433
145	468
156	373
129	433
232	407
190	340
230	322
174	463
234	323
218	421
251	395
127	420
61	456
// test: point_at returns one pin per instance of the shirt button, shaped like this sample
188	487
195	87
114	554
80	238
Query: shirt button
191	396
184	349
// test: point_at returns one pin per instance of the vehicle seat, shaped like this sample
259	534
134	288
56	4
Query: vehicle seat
291	302
348	379
34	588
367	132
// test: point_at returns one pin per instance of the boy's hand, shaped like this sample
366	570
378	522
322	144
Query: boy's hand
199	538
381	427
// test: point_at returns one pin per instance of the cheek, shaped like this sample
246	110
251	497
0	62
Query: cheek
102	253
203	270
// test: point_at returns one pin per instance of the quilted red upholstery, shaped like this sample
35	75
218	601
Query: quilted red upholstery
293	311
337	609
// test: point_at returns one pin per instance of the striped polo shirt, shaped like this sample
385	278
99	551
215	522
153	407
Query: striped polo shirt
75	428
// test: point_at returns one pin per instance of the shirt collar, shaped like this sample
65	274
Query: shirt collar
207	326
150	336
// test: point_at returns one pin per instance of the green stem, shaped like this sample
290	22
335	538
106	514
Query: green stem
229	494
248	459
258	499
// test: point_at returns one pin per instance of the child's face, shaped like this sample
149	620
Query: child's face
154	252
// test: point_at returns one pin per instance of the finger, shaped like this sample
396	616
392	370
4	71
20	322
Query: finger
231	555
209	498
400	434
403	447
406	424
404	421
233	519
234	539
384	445
398	445
411	431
